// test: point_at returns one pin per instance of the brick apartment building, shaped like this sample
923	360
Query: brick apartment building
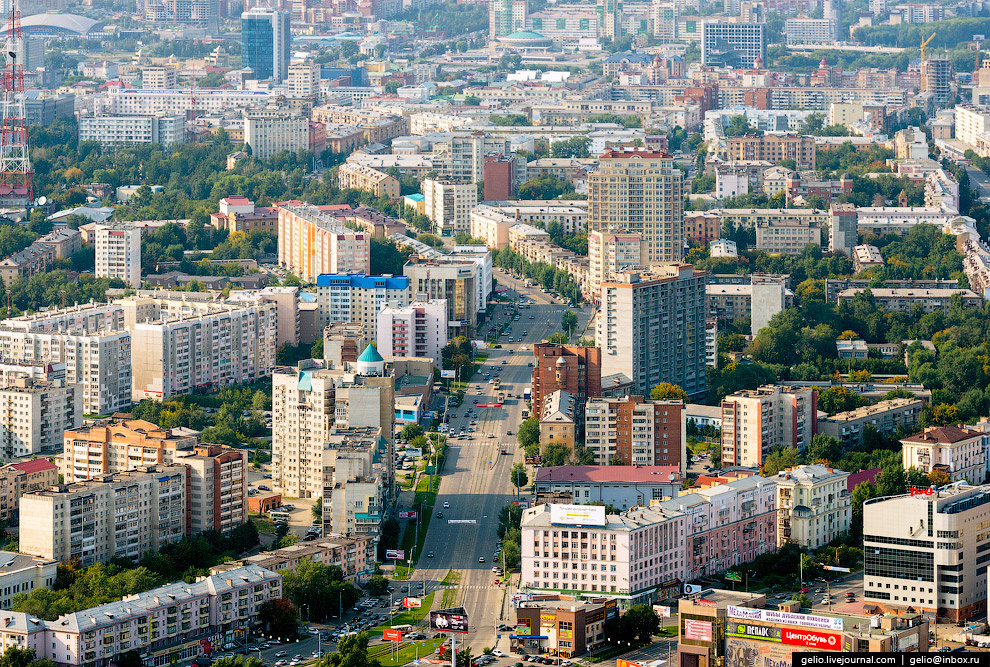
576	370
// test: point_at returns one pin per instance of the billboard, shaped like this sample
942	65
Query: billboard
662	611
577	515
412	603
395	554
407	515
390	635
697	630
448	375
749	653
522	627
784	618
625	663
449	620
691	589
821	641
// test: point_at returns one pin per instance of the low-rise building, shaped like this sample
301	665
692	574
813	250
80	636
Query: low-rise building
884	416
852	349
958	452
619	486
355	556
361	177
814	506
22	573
564	625
866	257
36	258
904	300
559	420
118	130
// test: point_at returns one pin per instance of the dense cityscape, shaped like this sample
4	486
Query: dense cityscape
371	333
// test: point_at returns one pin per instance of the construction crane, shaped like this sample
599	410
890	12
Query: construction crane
924	44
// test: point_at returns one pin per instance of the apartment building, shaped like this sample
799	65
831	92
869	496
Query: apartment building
756	421
814	505
461	158
577	550
651	327
884	416
609	253
34	413
571	368
634	431
491	226
180	346
760	302
416	330
571	214
942	189
801	31
936	78
16	479
771	147
558	421
361	177
733	44
787	237
355	556
865	257
21	573
973	127
66	242
304	79
958	452
904	300
119	130
218	491
312	243
458	282
449	204
88	341
355	478
239	214
926	551
358	299
619	486
36	258
700	226
118	252
69	521
117	444
273	130
639	192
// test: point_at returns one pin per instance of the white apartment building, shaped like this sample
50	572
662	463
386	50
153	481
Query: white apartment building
416	330
814	505
34	414
312	242
449	204
972	127
117	130
928	551
141	102
271	131
21	573
304	79
70	522
158	78
355	498
456	281
218	488
491	226
755	421
358	299
609	253
181	346
461	158
800	31
578	549
118	252
956	451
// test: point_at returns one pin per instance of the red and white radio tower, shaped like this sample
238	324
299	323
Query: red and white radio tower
16	186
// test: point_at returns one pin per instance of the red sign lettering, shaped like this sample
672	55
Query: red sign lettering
828	641
928	491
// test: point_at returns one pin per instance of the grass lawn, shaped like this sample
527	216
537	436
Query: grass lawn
407	652
409	616
609	653
422	502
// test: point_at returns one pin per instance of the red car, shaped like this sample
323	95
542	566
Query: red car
804	590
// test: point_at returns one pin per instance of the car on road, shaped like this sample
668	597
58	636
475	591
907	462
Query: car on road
281	654
481	559
263	487
431	554
804	590
497	653
419	584
491	435
508	432
404	589
439	515
446	505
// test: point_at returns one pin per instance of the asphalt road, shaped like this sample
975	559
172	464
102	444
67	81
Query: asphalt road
979	182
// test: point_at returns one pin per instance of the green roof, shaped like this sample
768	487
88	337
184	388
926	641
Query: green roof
370	355
525	34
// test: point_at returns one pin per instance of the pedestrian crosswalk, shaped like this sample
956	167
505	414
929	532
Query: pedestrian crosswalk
479	587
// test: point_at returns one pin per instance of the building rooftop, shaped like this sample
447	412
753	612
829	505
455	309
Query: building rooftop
874	409
11	561
608	474
37	465
808	474
942	435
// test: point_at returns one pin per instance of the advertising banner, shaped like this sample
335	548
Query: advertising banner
448	375
412	603
765	633
522	627
662	611
784	618
395	554
449	620
577	515
407	515
390	635
748	653
691	589
697	630
821	641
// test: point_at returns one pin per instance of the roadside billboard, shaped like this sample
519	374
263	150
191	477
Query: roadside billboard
395	554
449	620
390	635
697	630
412	603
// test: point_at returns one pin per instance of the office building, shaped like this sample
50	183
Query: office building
733	44
756	421
34	413
884	416
218	491
158	78
304	80
265	43
923	551
562	625
958	452
506	17
449	204
619	486
355	556
120	130
270	131
571	368
639	192
312	243
358	299
814	505
458	282
416	330
360	177
118	252
651	327
114	445
634	431
69	522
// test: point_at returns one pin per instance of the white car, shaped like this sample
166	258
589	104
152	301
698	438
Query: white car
497	653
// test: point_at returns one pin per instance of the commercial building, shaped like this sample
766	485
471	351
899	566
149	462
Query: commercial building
733	44
755	421
312	243
118	252
218	491
634	431
564	626
34	413
771	147
416	330
923	551
814	505
117	444
265	43
619	486
639	192
884	416
358	299
120	130
458	282
355	556
273	130
69	522
21	573
360	177
571	368
449	204
559	420
958	452
651	327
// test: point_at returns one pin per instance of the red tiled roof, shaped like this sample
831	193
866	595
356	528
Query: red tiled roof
37	465
942	434
606	474
857	478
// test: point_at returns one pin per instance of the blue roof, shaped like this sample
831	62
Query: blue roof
417	197
629	56
365	282
370	355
